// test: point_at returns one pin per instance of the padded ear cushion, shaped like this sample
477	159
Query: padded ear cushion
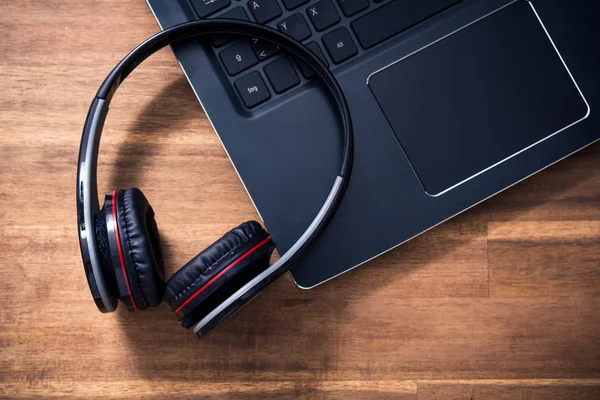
140	242
241	247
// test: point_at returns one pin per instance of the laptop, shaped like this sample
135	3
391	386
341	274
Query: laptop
452	102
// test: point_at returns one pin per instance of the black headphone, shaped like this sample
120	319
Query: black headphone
120	244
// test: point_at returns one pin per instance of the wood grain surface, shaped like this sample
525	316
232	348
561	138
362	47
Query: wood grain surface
501	302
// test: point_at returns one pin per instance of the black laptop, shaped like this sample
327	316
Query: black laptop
452	102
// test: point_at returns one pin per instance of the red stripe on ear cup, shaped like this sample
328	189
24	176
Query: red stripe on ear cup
120	249
233	264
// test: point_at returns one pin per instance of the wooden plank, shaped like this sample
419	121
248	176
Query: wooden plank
541	389
160	389
536	259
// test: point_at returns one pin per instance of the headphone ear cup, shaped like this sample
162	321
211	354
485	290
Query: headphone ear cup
218	271
140	246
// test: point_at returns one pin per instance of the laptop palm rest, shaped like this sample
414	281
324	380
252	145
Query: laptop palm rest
478	97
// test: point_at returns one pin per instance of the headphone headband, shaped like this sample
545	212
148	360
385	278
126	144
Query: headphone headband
87	188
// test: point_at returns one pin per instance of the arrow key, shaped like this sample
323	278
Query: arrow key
238	57
263	49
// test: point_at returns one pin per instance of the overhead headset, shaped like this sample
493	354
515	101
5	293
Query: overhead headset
120	244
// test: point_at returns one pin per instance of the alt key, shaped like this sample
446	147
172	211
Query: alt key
252	89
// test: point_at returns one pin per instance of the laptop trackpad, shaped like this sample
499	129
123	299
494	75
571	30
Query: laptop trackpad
478	97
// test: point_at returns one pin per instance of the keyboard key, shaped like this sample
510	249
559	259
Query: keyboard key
252	89
263	49
395	17
339	44
238	58
206	7
291	4
316	49
236	13
295	26
351	7
281	74
323	14
307	71
264	10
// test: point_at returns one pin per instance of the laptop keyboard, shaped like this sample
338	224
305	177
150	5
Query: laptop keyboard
342	29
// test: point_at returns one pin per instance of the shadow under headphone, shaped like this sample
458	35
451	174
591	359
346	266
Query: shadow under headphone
120	244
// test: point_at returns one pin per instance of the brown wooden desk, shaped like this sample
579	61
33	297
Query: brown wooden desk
502	302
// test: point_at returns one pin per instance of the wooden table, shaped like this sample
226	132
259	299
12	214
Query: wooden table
501	302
